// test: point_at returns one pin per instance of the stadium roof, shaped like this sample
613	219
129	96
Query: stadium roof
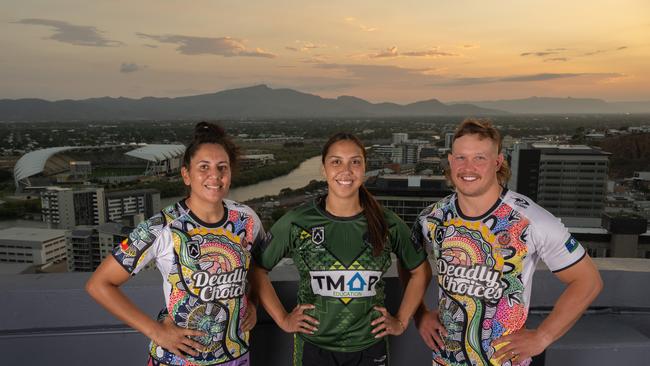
34	162
157	152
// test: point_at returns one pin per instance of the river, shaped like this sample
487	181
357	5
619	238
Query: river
298	178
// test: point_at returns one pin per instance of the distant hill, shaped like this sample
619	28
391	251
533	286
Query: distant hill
537	105
253	102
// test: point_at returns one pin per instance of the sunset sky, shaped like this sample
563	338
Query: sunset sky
399	51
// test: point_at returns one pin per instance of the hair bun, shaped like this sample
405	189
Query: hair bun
205	128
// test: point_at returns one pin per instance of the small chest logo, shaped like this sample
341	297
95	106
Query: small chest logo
193	249
521	202
318	235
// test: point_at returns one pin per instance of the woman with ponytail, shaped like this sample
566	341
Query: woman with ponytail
342	245
201	246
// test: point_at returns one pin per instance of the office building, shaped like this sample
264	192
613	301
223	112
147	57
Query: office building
125	203
32	246
89	245
64	208
570	181
400	138
407	195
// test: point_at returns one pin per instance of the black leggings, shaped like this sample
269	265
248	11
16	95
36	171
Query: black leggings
307	354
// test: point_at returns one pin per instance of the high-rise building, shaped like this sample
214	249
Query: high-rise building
400	138
392	153
125	203
32	245
570	181
428	152
65	208
411	153
83	249
449	139
111	234
89	245
407	195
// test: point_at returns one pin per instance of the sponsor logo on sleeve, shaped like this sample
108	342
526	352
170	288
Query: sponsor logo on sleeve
521	202
571	244
124	245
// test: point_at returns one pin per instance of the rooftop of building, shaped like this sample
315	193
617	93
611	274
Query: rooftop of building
155	153
568	149
132	192
53	314
30	234
114	228
408	185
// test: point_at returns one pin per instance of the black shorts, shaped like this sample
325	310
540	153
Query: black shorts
307	354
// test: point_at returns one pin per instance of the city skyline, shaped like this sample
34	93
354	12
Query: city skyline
460	51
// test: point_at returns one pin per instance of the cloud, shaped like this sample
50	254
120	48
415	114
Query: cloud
382	74
78	35
150	45
558	51
429	53
559	59
463	81
593	52
222	46
389	52
353	22
320	59
539	54
305	46
129	67
309	46
392	52
539	77
399	77
470	46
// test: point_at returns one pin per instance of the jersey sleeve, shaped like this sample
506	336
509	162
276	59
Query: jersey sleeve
275	245
420	232
410	253
258	231
255	231
142	245
553	242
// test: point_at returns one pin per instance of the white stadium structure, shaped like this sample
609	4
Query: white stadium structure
39	166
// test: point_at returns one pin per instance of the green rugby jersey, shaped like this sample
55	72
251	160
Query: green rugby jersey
338	273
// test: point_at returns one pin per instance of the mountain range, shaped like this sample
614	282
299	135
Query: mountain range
538	105
263	102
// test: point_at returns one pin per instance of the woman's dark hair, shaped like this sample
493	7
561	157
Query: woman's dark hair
377	226
210	133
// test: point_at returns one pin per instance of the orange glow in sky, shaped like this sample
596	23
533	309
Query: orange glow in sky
462	50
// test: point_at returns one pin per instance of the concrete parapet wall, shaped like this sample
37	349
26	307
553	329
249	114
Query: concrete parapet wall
49	319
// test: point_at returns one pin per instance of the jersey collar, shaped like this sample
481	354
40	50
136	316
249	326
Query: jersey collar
319	203
496	204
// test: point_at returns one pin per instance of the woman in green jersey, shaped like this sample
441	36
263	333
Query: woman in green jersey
341	244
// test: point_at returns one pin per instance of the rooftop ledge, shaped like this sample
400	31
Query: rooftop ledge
52	313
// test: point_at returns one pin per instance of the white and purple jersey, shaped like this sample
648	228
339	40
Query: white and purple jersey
204	269
485	268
